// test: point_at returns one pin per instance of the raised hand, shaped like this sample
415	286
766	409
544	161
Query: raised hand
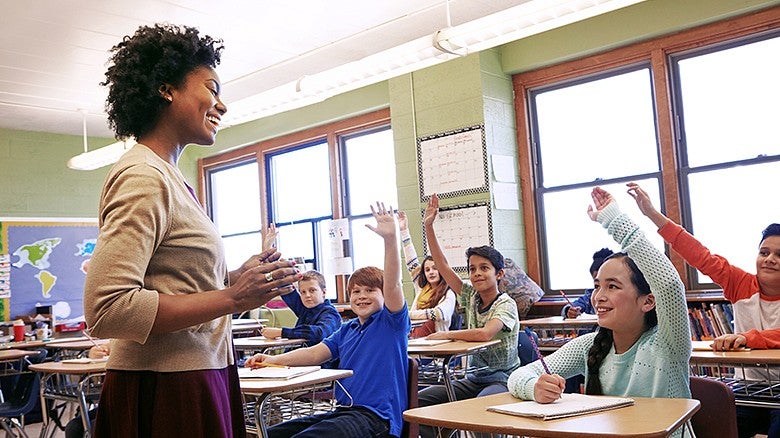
385	223
601	199
403	222
645	205
269	236
432	210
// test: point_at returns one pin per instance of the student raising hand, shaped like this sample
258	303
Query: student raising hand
601	198
385	224
432	210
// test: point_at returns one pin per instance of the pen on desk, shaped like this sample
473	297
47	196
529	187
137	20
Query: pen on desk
91	339
268	364
536	350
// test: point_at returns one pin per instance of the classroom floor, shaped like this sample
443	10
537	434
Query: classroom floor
34	430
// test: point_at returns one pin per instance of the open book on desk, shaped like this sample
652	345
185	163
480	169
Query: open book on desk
422	341
569	405
275	372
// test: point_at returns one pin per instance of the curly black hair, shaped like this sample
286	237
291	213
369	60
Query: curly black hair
142	63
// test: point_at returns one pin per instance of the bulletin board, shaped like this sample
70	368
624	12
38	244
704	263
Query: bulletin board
44	262
453	163
459	228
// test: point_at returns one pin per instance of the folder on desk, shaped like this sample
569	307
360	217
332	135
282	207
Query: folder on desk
569	405
274	372
423	341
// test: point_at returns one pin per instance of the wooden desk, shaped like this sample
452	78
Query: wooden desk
263	388
260	344
21	345
584	321
71	383
648	418
753	375
447	352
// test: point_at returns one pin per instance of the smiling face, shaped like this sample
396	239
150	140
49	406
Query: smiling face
768	265
196	107
618	303
311	293
430	271
483	274
365	301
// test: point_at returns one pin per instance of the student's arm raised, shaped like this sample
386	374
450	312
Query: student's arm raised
385	228
442	265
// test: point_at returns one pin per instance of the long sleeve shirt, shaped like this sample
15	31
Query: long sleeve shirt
755	315
314	324
442	312
657	364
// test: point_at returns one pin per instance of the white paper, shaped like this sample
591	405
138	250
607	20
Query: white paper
505	196
503	168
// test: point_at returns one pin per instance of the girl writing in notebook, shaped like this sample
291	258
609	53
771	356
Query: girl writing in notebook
433	301
643	343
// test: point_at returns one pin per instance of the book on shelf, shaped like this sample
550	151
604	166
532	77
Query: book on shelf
422	341
569	405
275	372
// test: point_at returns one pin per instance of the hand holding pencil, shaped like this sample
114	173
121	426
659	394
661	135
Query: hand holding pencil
548	387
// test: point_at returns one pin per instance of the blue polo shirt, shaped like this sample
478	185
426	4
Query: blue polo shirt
377	353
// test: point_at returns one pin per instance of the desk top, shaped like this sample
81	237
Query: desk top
22	344
76	345
647	418
450	348
558	322
736	357
69	368
262	342
262	386
13	354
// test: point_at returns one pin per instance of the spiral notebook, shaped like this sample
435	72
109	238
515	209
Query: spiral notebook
569	405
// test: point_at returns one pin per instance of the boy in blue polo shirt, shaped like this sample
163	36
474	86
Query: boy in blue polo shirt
374	346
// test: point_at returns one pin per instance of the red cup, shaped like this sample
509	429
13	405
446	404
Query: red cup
19	333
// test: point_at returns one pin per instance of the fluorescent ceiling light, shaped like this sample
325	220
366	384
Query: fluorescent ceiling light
100	157
91	160
529	18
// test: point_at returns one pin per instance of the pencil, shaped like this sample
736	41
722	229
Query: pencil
536	350
91	339
268	364
567	298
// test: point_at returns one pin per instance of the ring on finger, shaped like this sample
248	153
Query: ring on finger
269	277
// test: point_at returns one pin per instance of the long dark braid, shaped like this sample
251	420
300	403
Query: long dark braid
602	342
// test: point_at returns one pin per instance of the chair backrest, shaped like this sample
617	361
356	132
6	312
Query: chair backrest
525	351
718	413
411	430
456	322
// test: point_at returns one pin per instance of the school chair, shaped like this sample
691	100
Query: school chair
411	430
525	351
23	397
718	413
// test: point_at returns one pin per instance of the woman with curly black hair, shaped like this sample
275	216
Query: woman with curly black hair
157	282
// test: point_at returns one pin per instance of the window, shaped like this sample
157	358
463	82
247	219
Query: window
235	208
689	117
333	171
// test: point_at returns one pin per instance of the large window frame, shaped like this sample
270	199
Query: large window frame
659	54
330	133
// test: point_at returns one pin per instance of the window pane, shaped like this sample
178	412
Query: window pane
572	237
730	209
300	184
370	171
580	125
235	198
239	248
296	240
730	103
367	247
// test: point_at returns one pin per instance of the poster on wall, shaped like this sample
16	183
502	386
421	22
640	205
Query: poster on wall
461	227
47	265
453	163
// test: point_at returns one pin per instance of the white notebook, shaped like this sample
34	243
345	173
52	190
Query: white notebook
283	373
569	405
86	360
423	341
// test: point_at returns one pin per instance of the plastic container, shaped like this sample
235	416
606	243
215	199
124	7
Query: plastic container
19	329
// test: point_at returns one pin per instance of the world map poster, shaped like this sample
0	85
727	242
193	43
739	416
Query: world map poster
47	264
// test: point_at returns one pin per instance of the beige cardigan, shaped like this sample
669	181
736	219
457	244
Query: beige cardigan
155	238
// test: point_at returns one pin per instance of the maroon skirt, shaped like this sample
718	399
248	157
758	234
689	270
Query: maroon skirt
140	404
